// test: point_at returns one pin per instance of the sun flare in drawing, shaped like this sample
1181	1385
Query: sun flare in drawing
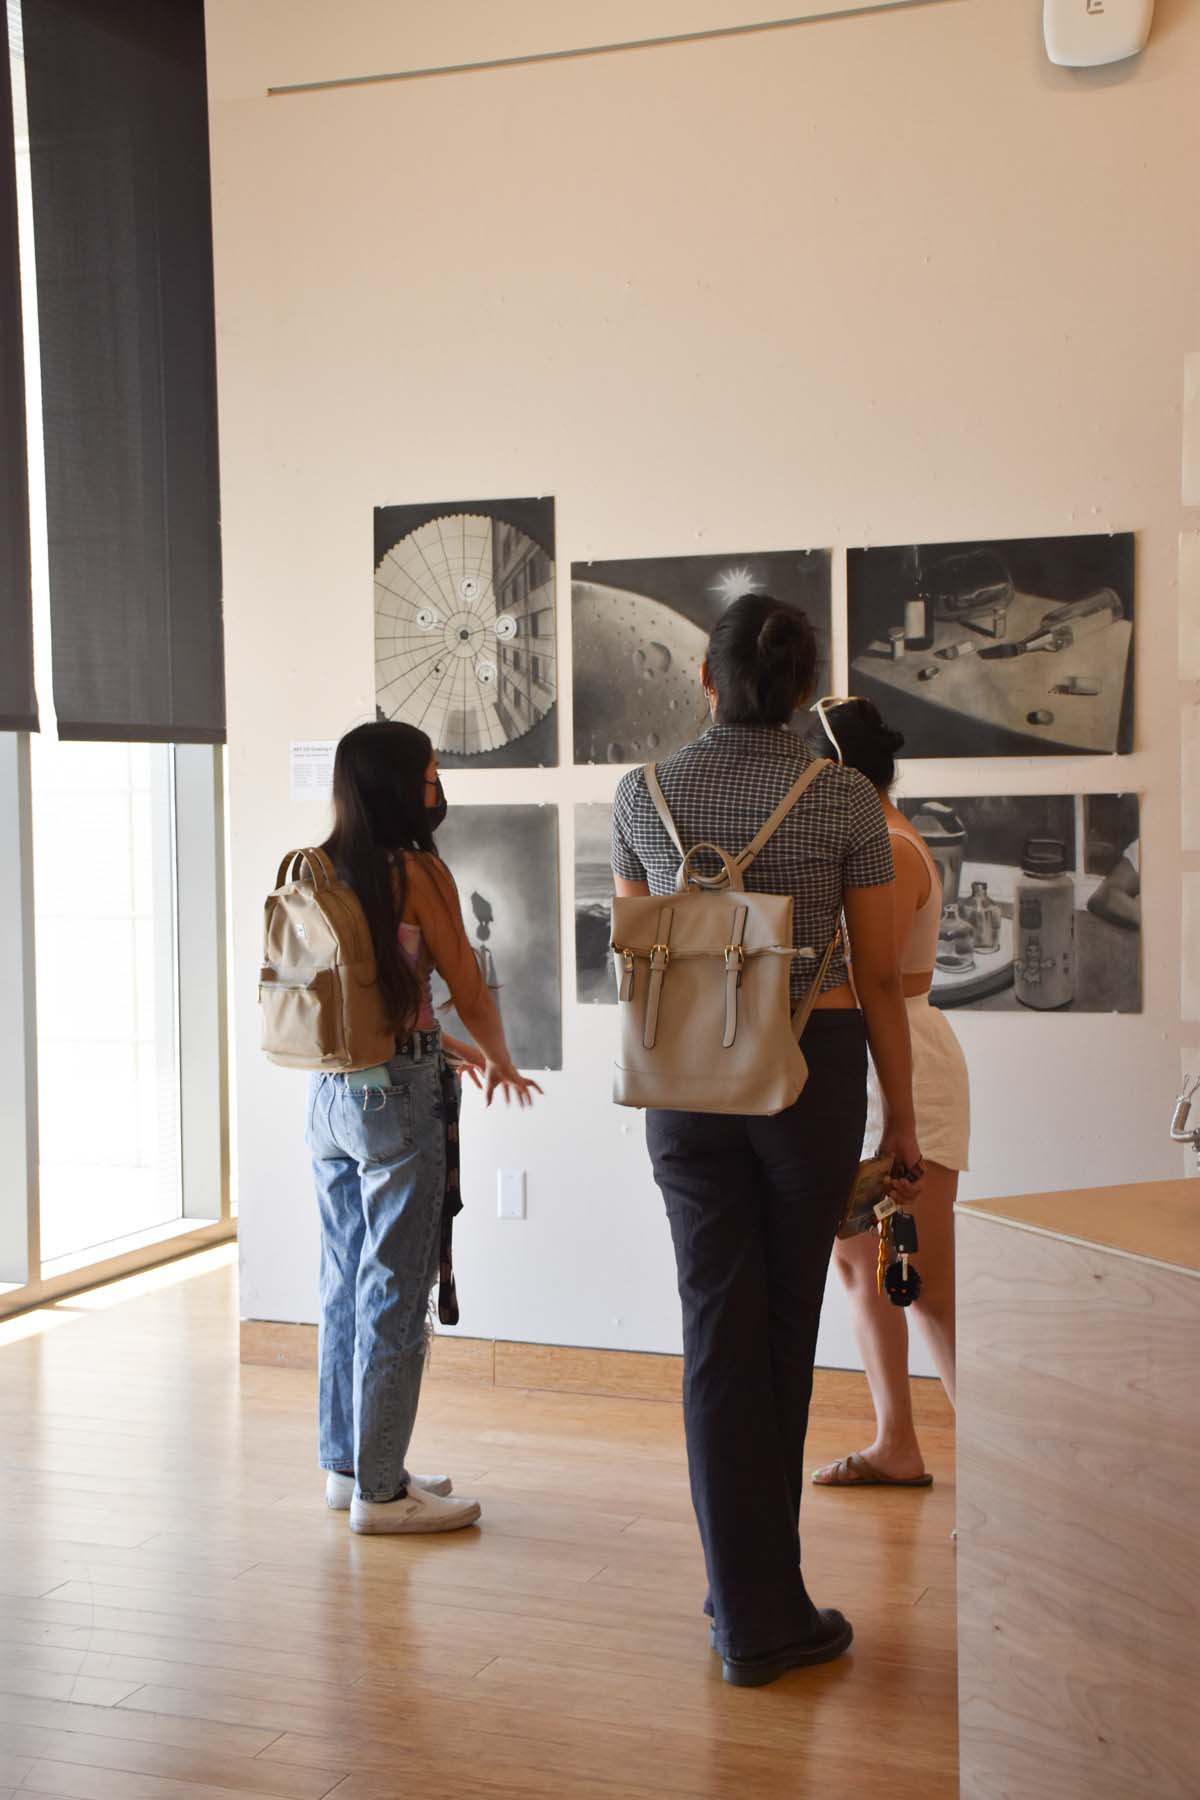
731	584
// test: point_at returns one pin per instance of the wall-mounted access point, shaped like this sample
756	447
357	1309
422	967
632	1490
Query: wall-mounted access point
510	1193
1081	34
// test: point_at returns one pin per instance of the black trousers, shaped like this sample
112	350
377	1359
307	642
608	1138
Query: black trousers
753	1205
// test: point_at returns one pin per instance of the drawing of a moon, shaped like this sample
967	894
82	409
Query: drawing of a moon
637	675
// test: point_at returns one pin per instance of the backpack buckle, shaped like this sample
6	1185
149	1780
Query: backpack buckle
660	955
735	957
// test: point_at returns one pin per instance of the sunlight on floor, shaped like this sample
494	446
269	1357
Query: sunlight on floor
114	1293
149	1281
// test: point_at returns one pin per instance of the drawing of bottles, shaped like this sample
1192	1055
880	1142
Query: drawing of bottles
1067	625
983	916
956	942
1044	905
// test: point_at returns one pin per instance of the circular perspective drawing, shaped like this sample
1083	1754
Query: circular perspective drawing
465	632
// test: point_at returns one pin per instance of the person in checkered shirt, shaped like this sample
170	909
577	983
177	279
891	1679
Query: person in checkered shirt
754	1201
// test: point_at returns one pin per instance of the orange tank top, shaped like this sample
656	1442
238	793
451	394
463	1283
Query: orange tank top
920	952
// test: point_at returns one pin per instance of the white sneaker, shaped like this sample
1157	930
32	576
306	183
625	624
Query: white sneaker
339	1489
418	1511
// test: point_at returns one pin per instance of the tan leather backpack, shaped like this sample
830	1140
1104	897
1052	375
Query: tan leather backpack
704	984
318	995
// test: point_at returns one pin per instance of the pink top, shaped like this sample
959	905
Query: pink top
412	945
920	952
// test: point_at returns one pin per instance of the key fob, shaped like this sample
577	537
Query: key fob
904	1233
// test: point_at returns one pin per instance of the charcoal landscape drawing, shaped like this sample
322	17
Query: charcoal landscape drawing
594	980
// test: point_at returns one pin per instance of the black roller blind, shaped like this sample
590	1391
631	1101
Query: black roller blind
18	708
118	126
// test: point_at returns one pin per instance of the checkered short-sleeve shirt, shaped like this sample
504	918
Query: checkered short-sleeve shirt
720	789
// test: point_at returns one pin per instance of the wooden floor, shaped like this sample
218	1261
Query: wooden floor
182	1619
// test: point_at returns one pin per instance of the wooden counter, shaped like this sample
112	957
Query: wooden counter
1079	1494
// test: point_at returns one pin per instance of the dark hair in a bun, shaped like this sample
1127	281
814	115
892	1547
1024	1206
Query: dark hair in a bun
762	658
866	742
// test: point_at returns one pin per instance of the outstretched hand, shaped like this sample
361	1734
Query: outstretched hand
504	1078
465	1060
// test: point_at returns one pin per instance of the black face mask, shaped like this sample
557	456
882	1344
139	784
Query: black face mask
437	812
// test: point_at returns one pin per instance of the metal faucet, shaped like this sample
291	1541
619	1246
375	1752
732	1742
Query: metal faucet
1180	1134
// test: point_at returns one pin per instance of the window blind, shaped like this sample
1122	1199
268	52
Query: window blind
18	708
118	126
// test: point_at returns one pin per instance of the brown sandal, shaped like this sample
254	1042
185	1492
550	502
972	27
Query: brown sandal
855	1471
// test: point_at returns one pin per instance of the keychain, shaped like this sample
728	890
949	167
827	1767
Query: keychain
885	1225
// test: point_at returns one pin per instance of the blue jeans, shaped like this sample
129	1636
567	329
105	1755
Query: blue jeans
379	1159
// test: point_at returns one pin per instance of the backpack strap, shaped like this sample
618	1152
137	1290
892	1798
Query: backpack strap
735	961
744	857
761	837
660	958
803	1012
320	869
654	789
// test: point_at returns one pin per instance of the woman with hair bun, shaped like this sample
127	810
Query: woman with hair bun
863	741
753	1201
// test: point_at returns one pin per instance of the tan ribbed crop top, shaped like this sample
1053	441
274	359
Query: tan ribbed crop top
920	952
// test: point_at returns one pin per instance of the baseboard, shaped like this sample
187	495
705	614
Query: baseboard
571	1369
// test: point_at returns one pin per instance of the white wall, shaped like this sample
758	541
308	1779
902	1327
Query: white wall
881	279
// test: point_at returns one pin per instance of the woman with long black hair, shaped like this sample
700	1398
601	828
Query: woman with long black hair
754	1201
378	1142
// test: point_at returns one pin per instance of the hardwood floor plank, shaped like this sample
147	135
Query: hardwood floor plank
82	1690
444	1781
144	1725
78	1781
240	1774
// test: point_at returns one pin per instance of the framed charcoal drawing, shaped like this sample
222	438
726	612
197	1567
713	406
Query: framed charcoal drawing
1041	901
505	862
594	979
640	628
465	632
1017	647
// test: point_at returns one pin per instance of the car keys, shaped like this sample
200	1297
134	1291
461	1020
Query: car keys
904	1233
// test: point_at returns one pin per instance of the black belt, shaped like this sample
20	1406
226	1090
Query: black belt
418	1045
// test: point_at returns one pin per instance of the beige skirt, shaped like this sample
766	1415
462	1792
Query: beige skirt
941	1095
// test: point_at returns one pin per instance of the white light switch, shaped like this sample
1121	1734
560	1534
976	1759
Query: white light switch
510	1197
